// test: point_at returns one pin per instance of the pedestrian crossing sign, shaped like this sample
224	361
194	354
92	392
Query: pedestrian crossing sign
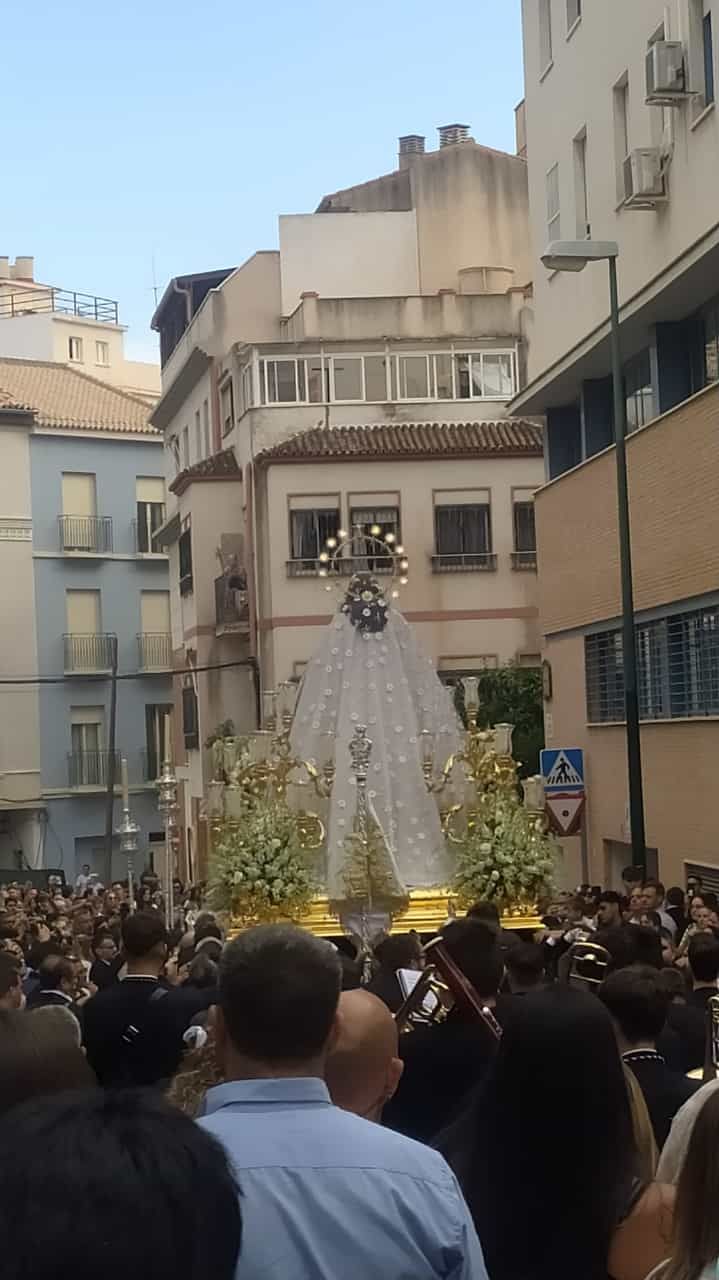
563	771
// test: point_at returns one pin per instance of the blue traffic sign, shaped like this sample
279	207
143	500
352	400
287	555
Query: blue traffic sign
563	771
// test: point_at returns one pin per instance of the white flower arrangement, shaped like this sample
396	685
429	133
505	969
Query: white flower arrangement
505	856
258	870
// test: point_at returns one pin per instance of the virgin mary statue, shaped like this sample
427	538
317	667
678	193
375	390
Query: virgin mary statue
369	671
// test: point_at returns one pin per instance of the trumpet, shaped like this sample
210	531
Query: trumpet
443	979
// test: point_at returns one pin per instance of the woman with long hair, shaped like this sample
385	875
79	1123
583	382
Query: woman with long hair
546	1154
696	1225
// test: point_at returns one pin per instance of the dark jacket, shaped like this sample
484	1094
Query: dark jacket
664	1091
134	1029
687	1025
103	975
39	999
442	1065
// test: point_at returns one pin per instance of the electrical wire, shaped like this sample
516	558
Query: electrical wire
102	677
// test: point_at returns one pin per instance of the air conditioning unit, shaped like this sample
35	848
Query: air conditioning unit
666	74
645	184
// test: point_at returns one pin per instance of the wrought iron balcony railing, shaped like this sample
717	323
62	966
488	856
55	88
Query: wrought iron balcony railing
89	652
154	651
86	533
41	301
465	562
342	566
91	768
524	559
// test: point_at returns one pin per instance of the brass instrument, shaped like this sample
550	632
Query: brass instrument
444	979
711	1059
588	965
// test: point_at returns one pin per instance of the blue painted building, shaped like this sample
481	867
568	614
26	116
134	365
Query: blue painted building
97	494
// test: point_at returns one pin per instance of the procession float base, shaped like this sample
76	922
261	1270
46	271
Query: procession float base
428	910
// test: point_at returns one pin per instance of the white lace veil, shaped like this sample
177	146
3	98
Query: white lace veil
381	680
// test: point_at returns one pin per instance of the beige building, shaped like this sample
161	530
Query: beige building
457	496
40	322
622	137
401	301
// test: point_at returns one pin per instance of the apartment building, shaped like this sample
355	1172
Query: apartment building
81	492
400	302
42	322
622	137
457	496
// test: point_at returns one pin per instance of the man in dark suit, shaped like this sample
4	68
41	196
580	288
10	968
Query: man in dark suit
134	1028
638	1006
444	1061
57	982
689	1021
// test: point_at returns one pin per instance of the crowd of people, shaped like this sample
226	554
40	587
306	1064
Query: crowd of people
173	1103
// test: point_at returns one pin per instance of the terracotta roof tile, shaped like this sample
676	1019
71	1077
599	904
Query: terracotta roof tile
63	397
221	466
510	437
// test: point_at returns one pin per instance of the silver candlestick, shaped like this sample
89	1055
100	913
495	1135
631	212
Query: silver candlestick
128	832
167	806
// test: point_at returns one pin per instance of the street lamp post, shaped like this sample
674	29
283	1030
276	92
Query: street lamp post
573	255
167	805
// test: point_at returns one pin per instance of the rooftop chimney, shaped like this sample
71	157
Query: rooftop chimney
23	269
410	146
449	134
4	268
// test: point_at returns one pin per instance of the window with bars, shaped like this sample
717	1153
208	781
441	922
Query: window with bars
638	391
309	531
364	542
525	536
677	668
463	535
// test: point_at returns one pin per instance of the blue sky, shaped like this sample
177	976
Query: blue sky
174	133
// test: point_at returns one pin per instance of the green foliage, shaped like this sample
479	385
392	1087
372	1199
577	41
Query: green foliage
258	870
505	856
512	695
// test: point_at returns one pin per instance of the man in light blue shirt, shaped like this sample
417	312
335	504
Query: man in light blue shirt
325	1195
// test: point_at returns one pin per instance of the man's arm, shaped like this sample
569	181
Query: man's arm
470	1264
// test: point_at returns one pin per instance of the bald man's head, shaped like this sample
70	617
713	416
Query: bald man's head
363	1069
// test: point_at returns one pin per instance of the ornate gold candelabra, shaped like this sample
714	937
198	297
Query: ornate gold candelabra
264	766
483	768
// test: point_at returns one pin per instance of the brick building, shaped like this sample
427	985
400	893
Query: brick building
619	150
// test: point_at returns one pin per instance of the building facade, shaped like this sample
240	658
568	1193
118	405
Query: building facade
41	322
400	301
457	496
84	493
622	136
